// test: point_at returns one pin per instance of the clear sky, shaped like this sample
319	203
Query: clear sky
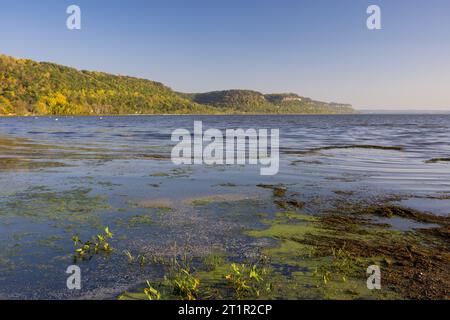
317	48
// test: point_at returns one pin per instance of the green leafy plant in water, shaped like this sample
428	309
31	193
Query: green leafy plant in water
98	244
342	260
181	277
140	258
248	281
324	275
179	282
338	269
185	284
152	293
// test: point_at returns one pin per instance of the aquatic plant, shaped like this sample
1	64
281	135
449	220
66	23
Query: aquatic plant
212	261
340	266
96	245
248	280
152	293
142	260
129	256
185	284
68	208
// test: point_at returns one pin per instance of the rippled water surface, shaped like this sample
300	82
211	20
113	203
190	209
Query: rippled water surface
68	175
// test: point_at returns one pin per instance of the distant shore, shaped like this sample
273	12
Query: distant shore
227	114
184	114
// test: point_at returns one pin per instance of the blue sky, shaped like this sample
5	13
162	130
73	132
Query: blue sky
317	48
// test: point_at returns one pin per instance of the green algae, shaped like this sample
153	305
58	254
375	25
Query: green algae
344	193
317	273
162	205
20	164
174	173
390	211
279	191
40	204
51	242
136	221
287	227
222	199
289	204
213	261
22	154
129	296
211	283
159	174
326	257
202	202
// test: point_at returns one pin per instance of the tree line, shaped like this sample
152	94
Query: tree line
40	88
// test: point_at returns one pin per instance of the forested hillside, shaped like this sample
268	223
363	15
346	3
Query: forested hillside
235	101
39	88
246	101
28	87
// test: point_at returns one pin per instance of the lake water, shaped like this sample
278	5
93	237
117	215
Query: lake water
73	175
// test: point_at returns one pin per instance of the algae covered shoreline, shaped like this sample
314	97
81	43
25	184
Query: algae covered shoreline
321	257
219	232
293	254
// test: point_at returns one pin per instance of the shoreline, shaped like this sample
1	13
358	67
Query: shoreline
311	232
180	114
218	115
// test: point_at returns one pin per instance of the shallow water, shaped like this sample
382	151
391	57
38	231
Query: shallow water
67	175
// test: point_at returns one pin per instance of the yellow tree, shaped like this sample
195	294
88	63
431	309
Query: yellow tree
55	104
5	106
